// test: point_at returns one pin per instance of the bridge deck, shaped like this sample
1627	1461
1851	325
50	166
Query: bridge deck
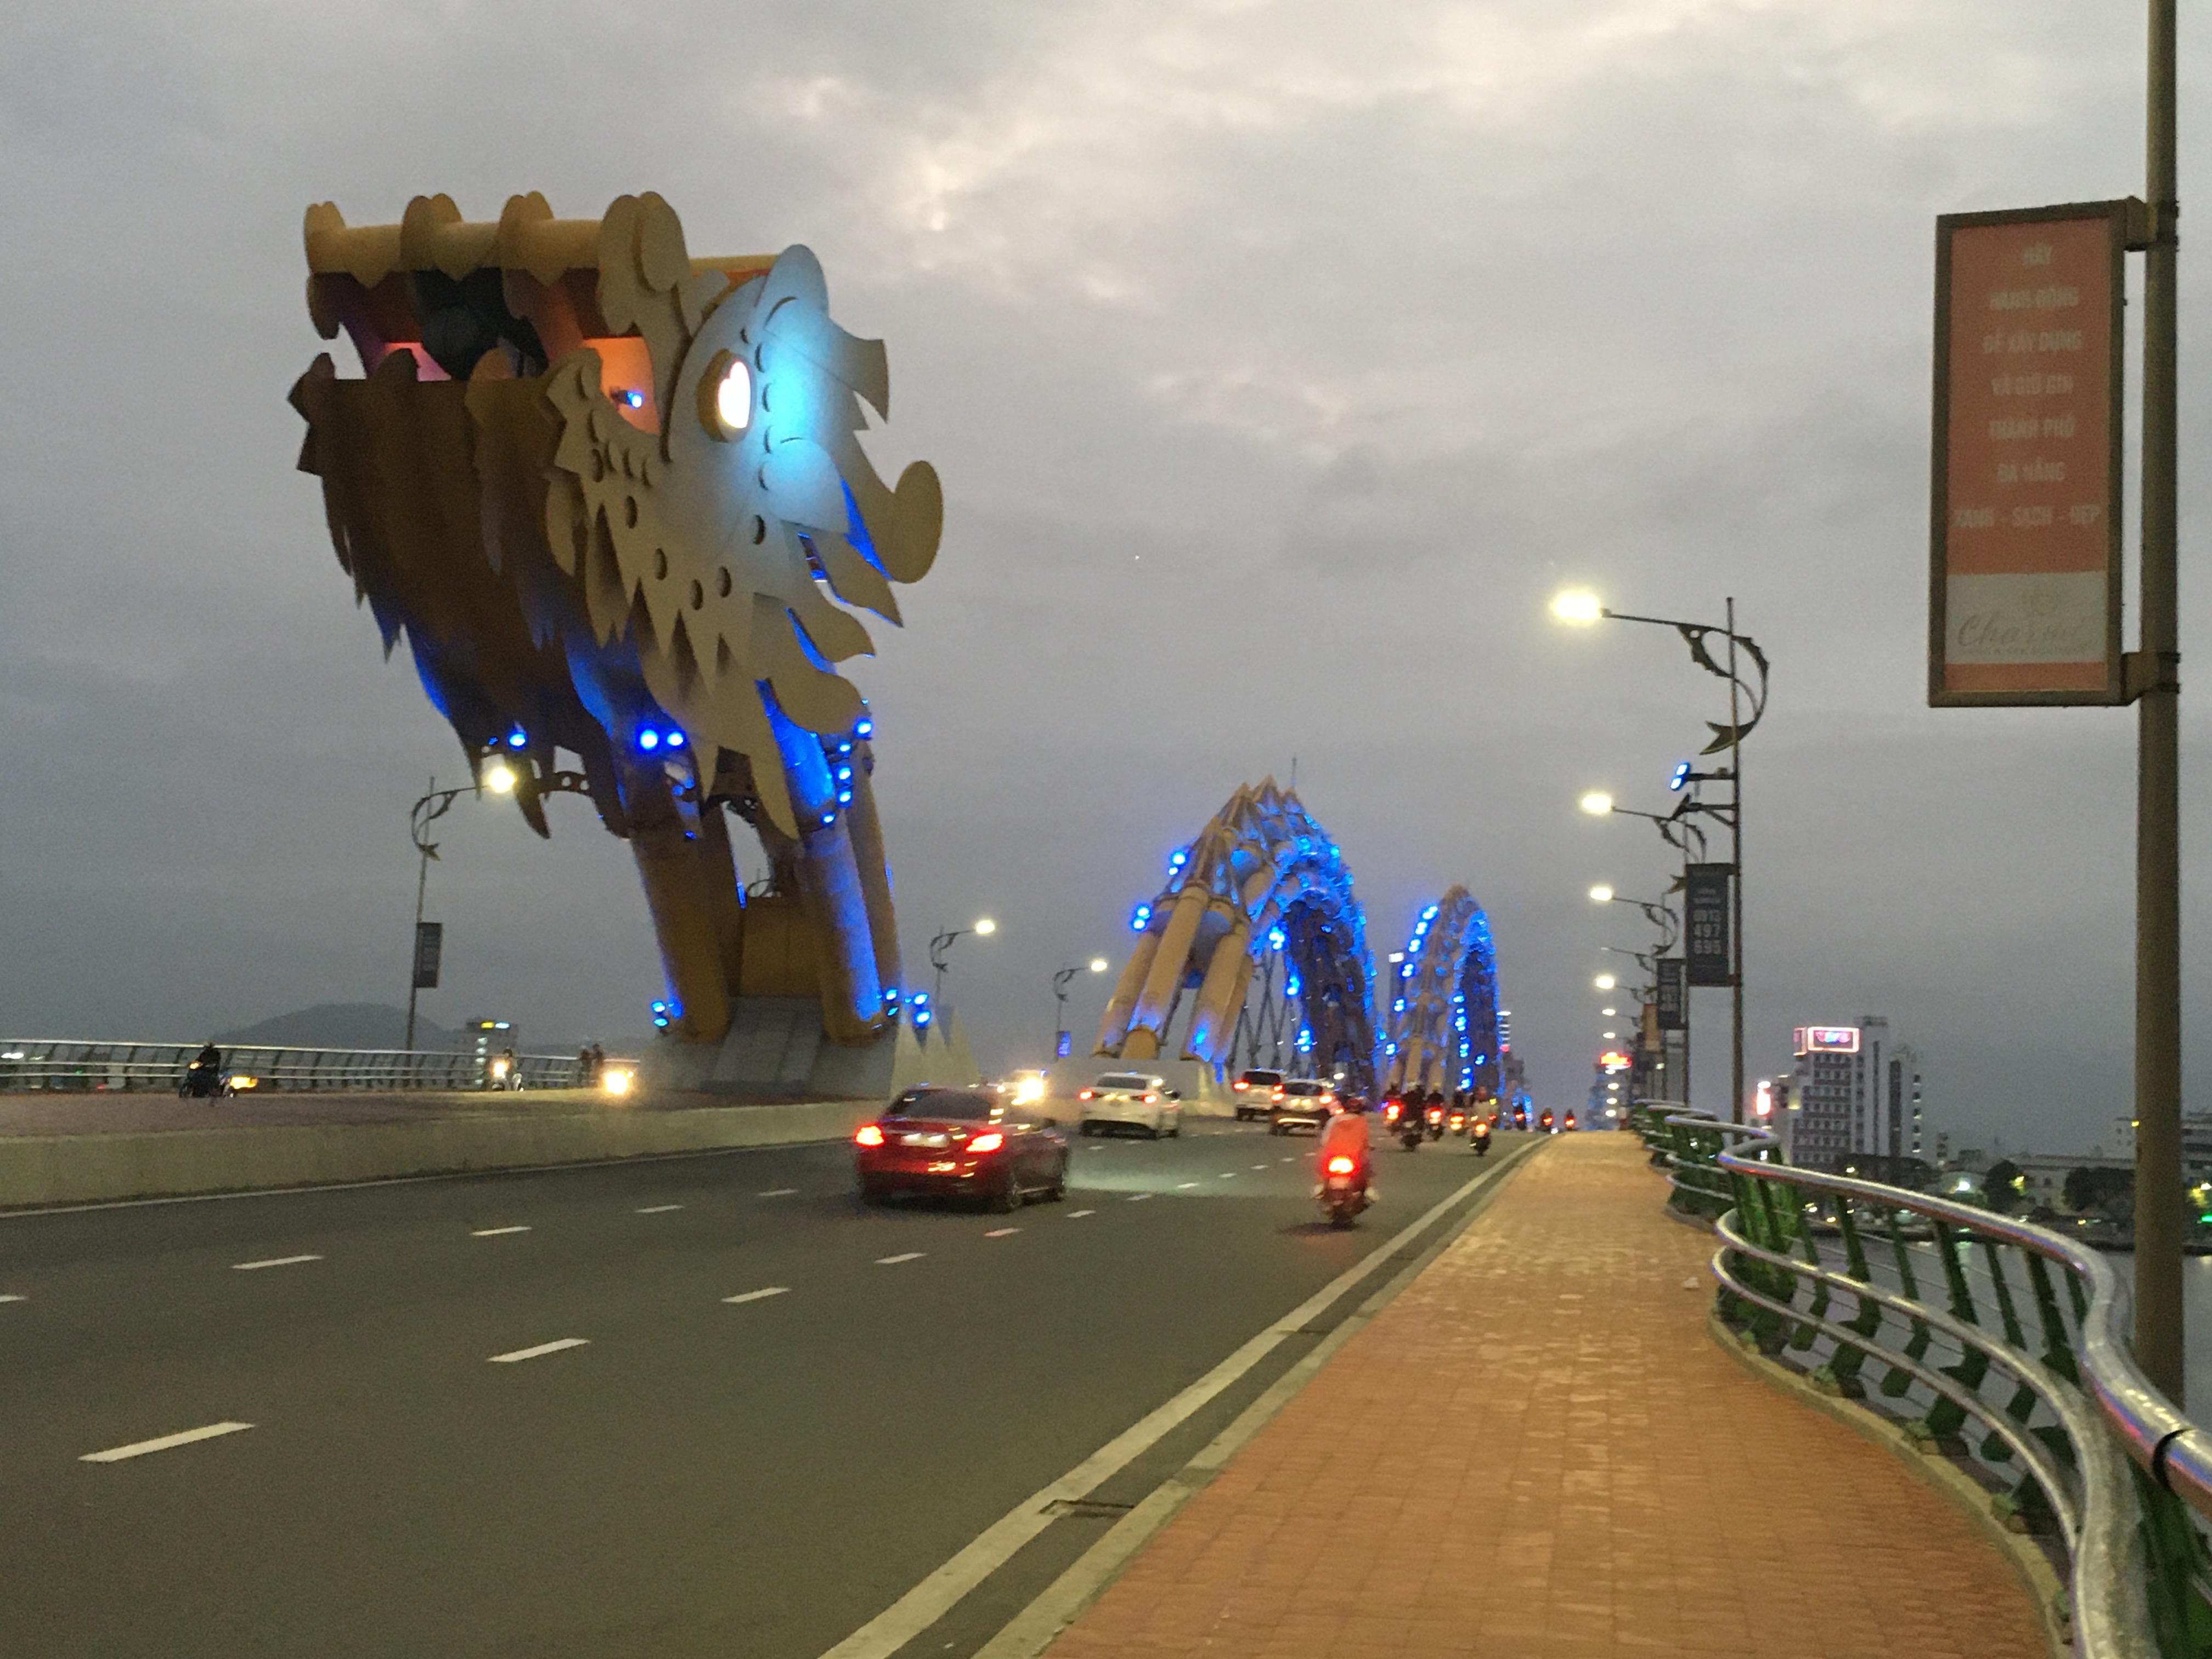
1584	1473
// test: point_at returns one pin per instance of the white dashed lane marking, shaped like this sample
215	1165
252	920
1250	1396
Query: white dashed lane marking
542	1349
1073	1215
1227	1175
905	1256
140	1448
1260	1166
1138	1198
779	1192
496	1232
1185	1186
761	1294
658	1209
273	1262
1001	1232
25	1298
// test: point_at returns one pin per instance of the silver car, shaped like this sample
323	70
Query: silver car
1129	1100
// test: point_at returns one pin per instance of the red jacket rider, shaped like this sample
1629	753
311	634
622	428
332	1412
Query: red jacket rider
1344	1133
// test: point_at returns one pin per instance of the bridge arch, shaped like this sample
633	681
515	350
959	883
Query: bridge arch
1261	886
1443	1023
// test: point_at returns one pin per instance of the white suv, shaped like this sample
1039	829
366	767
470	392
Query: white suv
1135	1100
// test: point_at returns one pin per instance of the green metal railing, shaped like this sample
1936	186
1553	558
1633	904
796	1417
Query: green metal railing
1992	1341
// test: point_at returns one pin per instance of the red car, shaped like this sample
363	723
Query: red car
960	1143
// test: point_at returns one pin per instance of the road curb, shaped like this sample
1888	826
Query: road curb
1038	1626
46	1172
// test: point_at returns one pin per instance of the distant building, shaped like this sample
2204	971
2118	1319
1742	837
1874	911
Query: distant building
1854	1092
2196	1142
2043	1176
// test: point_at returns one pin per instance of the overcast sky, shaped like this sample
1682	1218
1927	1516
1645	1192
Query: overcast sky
1279	360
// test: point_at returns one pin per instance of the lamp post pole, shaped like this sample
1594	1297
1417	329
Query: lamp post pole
2160	1220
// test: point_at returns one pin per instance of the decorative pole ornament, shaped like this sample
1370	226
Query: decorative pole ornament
615	498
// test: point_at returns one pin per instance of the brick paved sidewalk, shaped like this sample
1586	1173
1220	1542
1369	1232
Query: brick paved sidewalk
1596	1477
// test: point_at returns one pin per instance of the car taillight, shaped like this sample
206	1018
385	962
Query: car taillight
1083	1094
868	1135
1278	1095
989	1141
1341	1165
1239	1085
1151	1100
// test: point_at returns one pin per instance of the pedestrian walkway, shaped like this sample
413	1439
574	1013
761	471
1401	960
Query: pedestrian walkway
1586	1474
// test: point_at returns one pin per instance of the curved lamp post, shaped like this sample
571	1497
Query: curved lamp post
1582	609
982	928
498	777
1059	983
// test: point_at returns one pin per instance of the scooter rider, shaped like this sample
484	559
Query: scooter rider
1345	1135
204	1076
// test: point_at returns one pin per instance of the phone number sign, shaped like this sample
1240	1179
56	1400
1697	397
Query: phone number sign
2023	592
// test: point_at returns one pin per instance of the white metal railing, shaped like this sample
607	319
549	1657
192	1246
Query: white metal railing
72	1067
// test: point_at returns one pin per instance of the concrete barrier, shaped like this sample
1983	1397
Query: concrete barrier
42	1170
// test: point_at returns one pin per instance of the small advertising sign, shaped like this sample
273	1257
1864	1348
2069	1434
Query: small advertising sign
1827	1039
1706	928
429	947
2024	586
1066	1045
1674	1000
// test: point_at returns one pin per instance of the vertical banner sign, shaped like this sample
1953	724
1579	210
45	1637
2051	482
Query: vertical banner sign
1065	1046
2024	588
1705	933
1674	1009
429	945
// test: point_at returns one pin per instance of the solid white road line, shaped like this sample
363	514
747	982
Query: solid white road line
273	1262
779	1192
140	1448
996	1544
1001	1232
1073	1215
542	1348
761	1294
893	1261
496	1232
658	1209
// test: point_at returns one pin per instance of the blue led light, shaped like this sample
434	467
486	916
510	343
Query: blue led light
844	748
1399	1007
1681	776
518	738
920	1017
844	797
1291	986
1390	1048
647	739
865	729
629	398
1140	917
1275	939
844	775
829	819
674	739
1407	972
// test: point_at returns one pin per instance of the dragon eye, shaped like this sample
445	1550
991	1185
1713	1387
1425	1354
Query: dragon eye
726	396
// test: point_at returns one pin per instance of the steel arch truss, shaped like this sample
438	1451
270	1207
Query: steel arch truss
1260	900
1443	1002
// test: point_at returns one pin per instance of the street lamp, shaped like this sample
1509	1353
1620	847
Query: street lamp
1604	981
1597	803
1059	981
982	928
1583	608
498	777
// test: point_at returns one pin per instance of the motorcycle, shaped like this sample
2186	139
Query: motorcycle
1436	1123
204	1083
1478	1138
1343	1190
1409	1131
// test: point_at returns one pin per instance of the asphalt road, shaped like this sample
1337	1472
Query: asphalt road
426	1474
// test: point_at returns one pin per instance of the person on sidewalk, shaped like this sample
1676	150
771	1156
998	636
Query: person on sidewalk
1345	1135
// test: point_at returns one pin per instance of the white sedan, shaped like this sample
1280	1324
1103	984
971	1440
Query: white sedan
1131	1100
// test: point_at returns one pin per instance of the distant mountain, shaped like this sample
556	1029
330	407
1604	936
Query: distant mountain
343	1025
